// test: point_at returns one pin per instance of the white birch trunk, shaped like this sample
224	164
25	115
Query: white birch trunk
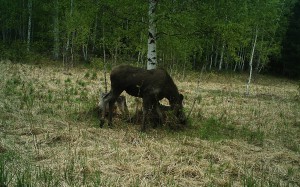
29	24
237	62
251	62
151	55
243	59
72	39
194	61
56	32
216	58
185	61
259	58
221	58
85	52
104	56
95	32
116	53
66	55
211	56
103	43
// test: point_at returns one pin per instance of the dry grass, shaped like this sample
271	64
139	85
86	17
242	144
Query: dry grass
50	135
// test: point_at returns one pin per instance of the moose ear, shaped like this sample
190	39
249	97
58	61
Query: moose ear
181	97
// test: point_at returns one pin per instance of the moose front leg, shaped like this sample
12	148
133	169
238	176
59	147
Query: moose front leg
145	114
147	105
159	118
149	108
110	109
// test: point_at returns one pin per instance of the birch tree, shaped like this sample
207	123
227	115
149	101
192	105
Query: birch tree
251	63
29	6
56	31
151	55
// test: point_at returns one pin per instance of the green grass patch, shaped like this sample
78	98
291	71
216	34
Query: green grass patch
215	129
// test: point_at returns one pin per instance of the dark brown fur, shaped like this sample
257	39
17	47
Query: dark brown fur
150	85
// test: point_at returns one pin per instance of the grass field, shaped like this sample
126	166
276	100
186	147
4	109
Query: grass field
50	135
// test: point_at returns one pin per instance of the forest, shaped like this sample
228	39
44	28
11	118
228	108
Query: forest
55	57
190	35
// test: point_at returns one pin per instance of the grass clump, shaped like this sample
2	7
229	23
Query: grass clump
4	174
215	129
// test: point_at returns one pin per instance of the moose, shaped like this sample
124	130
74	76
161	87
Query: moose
150	85
121	105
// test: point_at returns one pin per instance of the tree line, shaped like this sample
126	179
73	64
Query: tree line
190	34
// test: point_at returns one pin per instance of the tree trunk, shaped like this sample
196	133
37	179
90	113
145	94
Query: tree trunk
116	52
103	41
3	35
85	52
243	59
238	61
72	49
194	61
73	36
151	55
185	61
95	33
211	56
257	69
68	45
221	58
216	58
56	32
29	24
250	63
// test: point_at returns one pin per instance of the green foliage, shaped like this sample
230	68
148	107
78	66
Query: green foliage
190	34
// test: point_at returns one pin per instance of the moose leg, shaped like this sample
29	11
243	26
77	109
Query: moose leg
104	98
146	110
149	104
159	114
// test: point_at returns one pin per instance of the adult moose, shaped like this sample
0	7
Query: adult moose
150	85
